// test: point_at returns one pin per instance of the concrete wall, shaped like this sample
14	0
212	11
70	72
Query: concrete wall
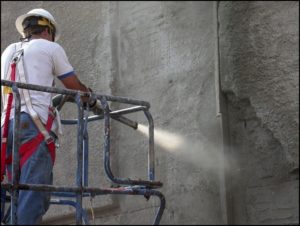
259	63
239	167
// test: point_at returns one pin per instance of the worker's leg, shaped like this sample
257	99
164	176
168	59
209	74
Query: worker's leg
37	170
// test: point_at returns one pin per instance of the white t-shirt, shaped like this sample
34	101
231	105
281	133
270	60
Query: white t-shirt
43	60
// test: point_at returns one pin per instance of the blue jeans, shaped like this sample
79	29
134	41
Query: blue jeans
37	169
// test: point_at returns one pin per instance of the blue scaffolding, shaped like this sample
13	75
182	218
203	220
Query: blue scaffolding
147	187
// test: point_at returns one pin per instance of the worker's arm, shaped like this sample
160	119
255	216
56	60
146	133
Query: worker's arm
73	82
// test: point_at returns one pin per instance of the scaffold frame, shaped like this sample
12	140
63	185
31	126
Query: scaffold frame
146	187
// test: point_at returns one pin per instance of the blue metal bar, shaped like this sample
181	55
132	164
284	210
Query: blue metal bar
151	158
79	158
107	168
127	110
136	187
161	207
74	93
75	121
107	139
3	201
85	149
16	157
130	190
115	116
68	194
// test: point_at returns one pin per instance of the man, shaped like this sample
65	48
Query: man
40	62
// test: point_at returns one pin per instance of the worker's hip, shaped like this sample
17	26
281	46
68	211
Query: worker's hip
27	129
31	152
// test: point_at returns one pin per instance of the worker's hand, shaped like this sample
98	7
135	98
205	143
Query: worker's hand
96	107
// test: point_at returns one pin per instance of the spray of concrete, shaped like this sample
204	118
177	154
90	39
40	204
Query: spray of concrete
166	140
198	152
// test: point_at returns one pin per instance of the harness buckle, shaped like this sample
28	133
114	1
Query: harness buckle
49	140
17	56
52	111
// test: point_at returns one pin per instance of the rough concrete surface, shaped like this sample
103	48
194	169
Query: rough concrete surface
259	61
241	168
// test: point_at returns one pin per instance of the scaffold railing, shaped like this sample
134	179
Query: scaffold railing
126	186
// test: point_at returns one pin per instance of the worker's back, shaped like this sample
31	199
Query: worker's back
42	61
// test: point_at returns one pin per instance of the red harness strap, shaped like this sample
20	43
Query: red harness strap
6	123
28	148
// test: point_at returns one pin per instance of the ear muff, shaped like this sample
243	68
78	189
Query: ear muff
41	21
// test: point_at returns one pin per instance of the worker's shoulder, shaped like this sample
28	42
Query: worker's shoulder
46	43
46	46
9	49
11	46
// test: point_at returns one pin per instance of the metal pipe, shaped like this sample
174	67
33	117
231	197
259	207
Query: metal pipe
68	194
119	118
137	187
107	154
127	110
79	158
58	101
97	191
3	201
161	207
126	121
131	190
217	59
74	93
85	149
221	114
16	157
91	190
116	115
151	158
106	139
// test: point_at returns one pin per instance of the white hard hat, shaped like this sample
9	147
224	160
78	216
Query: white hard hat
37	12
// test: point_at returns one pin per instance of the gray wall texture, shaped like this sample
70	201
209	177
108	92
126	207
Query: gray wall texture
223	82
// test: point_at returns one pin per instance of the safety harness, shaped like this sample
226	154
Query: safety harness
28	148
